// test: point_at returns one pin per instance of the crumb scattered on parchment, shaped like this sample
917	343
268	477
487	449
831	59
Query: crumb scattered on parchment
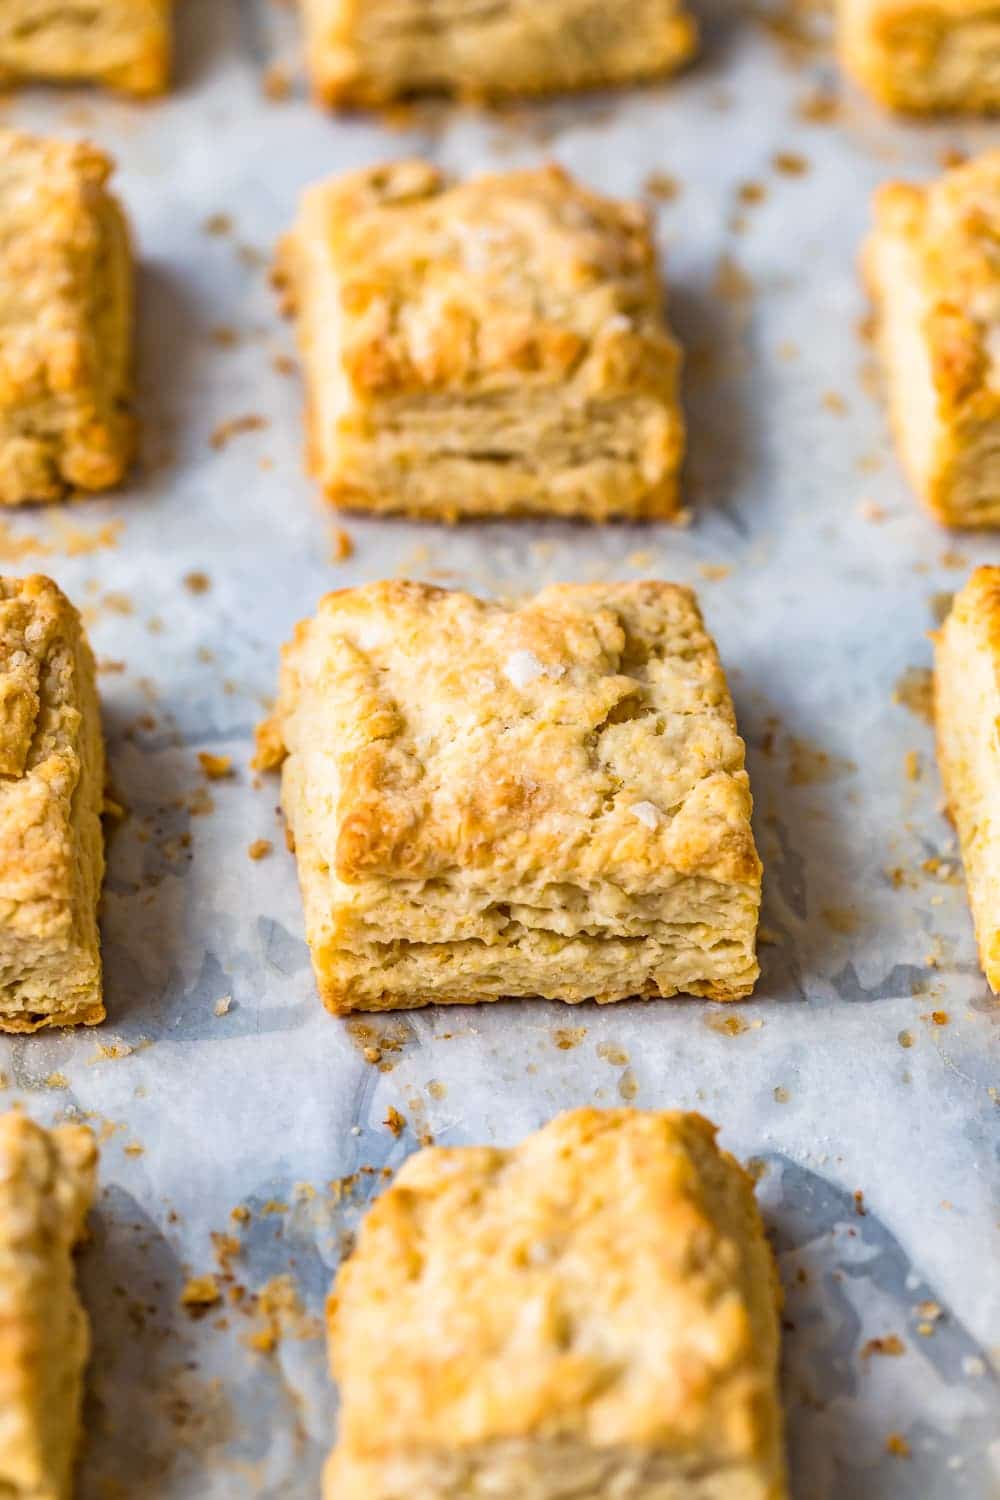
790	163
215	767
751	192
568	1037
610	1052
905	1039
731	282
834	402
661	186
628	1086
240	1214
911	765
781	1095
199	1293
891	1345
727	1025
641	559
341	545
714	572
197	582
283	364
276	84
955	561
217	224
859	1203
251	422
394	1121
868	510
437	1089
843	919
280	1314
915	691
223	336
377	1044
57	1081
223	1006
818	108
808	765
897	1445
260	848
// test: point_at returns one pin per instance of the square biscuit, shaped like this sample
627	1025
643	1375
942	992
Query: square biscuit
932	267
124	44
593	1313
494	348
967	715
46	1189
924	57
51	795
368	52
65	322
485	801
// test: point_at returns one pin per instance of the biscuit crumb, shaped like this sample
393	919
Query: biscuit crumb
222	1007
568	1037
197	582
714	572
661	186
897	1445
277	85
215	767
222	434
911	763
260	848
890	1345
394	1121
790	163
217	224
200	1293
342	545
57	1081
781	1095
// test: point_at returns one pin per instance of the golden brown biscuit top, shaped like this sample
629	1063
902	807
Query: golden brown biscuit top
956	223
50	244
46	1185
977	607
590	1283
522	273
40	640
588	732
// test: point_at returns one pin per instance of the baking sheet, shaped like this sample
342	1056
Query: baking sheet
218	1083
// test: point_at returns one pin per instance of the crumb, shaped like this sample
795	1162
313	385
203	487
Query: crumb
221	435
200	1292
223	336
260	848
781	1095
342	545
911	763
661	186
905	1039
834	402
240	1214
568	1037
217	224
57	1081
953	156
276	84
890	1345
790	163
897	1445
197	582
751	192
283	364
135	1149
395	1121
222	1007
859	1203
215	767
714	572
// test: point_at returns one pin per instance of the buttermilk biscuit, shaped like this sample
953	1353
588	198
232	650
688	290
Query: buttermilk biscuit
372	51
51	790
549	800
488	349
933	265
924	56
967	714
46	1188
124	44
592	1314
65	322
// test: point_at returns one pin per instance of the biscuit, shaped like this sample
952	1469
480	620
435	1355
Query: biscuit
51	792
484	801
924	56
124	44
933	270
495	348
593	1313
369	52
65	322
46	1188
967	713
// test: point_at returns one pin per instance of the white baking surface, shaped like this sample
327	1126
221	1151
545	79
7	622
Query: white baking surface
823	610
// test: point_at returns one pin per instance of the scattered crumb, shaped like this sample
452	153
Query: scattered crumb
781	1095
223	336
234	426
915	691
628	1085
859	1203
567	1037
437	1089
610	1053
833	401
283	364
905	1039
841	918
223	1006
897	1445
726	1025
215	767
751	192
890	1345
277	85
714	572
200	1293
277	1305
260	848
911	764
818	108
790	163
240	1214
342	545
395	1121
57	1081
661	186
217	224
197	583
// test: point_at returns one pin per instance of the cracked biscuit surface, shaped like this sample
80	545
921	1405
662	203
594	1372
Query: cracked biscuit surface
65	322
51	793
369	52
124	44
493	348
589	1316
46	1188
967	712
933	266
485	802
924	56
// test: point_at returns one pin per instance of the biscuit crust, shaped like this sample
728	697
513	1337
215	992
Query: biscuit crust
493	348
484	802
65	322
934	274
123	44
370	52
591	1313
46	1188
924	57
967	711
51	793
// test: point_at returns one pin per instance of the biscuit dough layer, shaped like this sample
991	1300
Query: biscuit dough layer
934	272
51	793
372	51
494	348
46	1188
484	801
589	1316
